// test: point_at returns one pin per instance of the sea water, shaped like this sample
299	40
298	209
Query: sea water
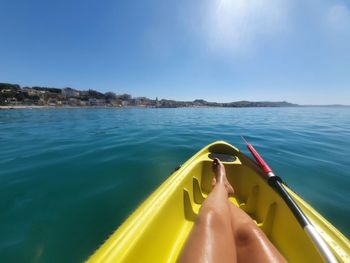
69	177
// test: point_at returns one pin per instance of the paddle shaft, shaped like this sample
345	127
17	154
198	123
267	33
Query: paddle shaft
305	223
276	183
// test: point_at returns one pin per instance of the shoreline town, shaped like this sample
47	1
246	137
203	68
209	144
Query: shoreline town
13	96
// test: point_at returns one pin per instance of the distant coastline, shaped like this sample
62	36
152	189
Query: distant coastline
13	96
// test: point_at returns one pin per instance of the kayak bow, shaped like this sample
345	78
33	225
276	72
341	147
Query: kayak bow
157	230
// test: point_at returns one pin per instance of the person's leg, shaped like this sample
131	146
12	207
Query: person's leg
211	239
225	233
252	245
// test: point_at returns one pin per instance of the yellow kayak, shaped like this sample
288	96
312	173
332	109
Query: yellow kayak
158	229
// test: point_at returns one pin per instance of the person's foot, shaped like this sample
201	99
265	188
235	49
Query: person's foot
220	176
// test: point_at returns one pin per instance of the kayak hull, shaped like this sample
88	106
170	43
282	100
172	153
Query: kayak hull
158	229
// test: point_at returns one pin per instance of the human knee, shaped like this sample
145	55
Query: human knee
245	233
214	217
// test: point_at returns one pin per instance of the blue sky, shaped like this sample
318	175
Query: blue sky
218	50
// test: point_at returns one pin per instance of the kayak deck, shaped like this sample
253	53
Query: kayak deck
158	229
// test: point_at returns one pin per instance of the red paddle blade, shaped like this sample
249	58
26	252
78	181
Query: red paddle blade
264	166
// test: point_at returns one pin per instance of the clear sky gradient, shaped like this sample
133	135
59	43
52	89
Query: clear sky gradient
217	50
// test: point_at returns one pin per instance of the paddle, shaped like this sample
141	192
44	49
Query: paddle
276	183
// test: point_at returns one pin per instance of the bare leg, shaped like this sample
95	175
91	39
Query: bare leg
252	245
211	239
224	232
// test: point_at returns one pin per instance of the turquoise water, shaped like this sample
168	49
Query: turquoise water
69	177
